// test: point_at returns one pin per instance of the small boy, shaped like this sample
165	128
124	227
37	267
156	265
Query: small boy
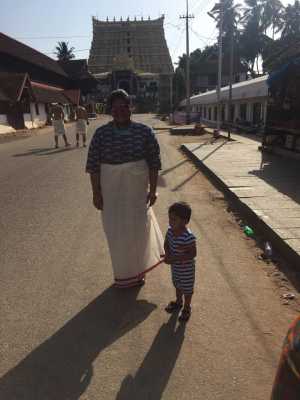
180	253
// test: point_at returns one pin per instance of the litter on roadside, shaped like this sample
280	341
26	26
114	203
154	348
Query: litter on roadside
248	231
288	296
268	251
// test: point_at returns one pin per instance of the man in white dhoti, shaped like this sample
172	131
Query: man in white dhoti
57	114
81	125
123	163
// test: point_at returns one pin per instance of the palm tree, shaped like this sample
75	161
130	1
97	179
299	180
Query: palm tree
291	20
253	38
286	47
64	52
272	15
231	17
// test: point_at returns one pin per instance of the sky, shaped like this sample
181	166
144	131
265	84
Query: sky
42	24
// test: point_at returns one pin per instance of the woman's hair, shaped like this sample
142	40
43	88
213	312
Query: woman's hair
181	210
118	94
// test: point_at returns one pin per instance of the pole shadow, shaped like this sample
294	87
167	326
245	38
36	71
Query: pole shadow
154	373
61	367
44	151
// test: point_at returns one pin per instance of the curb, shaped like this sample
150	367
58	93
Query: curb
257	223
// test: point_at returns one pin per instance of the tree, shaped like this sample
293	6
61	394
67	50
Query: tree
291	21
64	52
287	47
272	16
231	18
253	37
179	86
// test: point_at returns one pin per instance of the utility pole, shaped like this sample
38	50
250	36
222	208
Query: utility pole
187	17
230	82
220	67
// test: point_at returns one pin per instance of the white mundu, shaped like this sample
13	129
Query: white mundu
81	126
134	237
59	127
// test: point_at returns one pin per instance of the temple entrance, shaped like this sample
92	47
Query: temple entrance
125	85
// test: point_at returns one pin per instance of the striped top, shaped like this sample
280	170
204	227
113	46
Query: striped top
110	145
180	244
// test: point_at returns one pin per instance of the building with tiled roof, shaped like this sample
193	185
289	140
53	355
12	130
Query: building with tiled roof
30	81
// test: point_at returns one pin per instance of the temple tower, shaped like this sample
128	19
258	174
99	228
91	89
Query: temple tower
133	55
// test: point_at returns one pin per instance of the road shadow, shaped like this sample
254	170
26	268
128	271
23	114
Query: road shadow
44	151
154	373
185	181
281	173
61	367
161	182
168	170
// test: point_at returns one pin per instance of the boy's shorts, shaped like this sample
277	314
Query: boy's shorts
183	277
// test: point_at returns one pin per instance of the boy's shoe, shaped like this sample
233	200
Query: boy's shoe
185	314
173	306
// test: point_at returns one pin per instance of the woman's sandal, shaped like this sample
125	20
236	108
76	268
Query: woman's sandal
185	314
173	306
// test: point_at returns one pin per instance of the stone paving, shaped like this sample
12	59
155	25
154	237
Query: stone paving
268	184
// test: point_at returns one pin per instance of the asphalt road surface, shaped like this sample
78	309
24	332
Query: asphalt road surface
66	334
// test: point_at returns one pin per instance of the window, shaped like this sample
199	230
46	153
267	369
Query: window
25	106
243	112
257	113
215	113
209	113
223	112
37	111
128	49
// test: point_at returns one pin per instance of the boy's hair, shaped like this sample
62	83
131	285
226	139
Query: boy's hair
181	210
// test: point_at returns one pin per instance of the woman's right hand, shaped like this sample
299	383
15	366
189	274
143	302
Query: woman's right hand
98	200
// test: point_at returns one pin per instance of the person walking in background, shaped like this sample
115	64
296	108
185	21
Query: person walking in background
180	253
57	114
123	163
81	125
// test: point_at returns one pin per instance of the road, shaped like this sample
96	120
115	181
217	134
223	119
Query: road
66	334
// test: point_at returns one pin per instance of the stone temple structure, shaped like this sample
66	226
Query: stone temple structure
133	55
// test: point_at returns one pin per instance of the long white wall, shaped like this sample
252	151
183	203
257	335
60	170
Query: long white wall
4	126
34	120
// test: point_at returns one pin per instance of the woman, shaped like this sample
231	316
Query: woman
287	381
123	163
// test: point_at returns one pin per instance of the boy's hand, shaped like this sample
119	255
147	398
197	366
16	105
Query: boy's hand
167	260
151	198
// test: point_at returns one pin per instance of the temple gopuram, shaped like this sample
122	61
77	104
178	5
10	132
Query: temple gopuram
134	56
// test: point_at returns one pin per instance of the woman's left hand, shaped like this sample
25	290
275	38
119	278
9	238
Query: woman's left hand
151	198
